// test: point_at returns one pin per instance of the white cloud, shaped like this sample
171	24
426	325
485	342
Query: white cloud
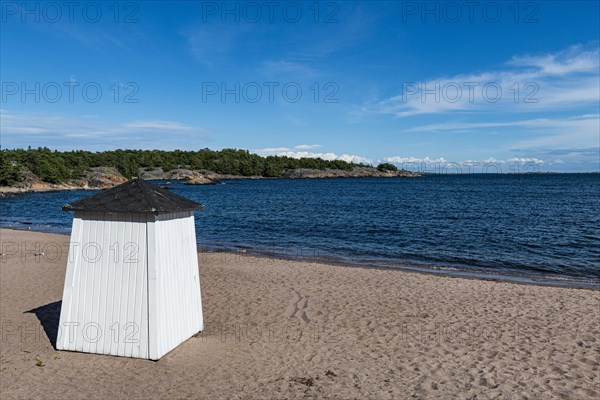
442	165
575	131
401	160
572	156
581	131
355	159
284	151
566	79
307	146
574	59
443	160
524	160
575	122
24	128
274	149
158	125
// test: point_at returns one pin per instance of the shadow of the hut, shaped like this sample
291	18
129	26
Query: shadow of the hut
49	316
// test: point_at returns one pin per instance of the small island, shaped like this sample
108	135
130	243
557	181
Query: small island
41	169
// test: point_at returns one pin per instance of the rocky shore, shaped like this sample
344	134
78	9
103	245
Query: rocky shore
107	177
209	177
358	172
95	178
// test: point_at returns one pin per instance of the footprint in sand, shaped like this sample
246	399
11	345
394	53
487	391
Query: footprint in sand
297	307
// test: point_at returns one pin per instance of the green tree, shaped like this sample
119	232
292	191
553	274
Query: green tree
56	167
387	167
9	174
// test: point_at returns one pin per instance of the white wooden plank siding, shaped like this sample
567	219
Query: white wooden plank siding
178	310
105	303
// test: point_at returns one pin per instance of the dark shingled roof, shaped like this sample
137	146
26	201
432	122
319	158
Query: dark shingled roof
134	196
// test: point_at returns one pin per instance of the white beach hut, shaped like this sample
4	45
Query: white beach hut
132	286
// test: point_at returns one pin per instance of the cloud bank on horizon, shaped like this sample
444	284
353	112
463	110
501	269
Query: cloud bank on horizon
364	82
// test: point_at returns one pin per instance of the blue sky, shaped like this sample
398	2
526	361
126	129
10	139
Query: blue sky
420	84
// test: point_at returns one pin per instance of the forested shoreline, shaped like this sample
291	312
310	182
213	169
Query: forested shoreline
56	167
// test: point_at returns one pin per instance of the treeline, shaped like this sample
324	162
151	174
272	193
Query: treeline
60	166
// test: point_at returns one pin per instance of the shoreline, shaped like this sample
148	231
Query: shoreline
448	272
6	191
536	279
106	181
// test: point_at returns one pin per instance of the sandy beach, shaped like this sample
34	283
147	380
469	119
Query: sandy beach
289	329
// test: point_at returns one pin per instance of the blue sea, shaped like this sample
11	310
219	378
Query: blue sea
541	228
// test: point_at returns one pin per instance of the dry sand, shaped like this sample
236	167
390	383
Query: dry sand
288	329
